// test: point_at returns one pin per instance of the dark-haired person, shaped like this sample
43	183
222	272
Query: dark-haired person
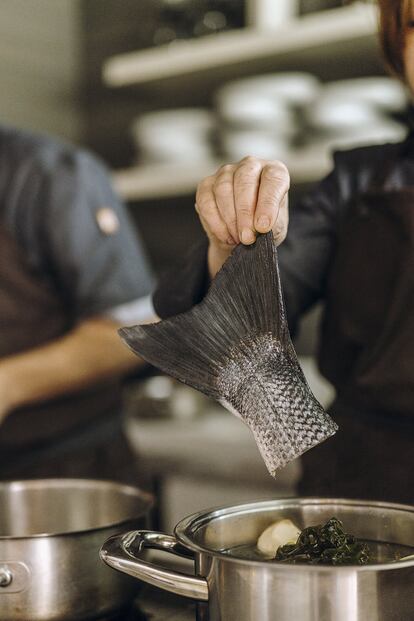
71	272
350	244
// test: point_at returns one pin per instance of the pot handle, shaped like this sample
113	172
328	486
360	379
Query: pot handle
121	552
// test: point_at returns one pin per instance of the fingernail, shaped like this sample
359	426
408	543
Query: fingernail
247	236
263	222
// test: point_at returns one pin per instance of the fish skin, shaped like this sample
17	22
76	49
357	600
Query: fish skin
262	383
235	347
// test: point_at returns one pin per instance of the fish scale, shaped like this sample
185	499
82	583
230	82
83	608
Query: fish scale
235	347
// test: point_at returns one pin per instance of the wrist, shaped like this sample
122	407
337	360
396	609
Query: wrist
216	256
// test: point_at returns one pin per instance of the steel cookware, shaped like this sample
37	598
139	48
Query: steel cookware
230	588
50	534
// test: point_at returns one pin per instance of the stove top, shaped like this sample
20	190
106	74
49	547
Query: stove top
156	605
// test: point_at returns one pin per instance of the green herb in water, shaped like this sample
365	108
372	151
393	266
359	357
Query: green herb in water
325	544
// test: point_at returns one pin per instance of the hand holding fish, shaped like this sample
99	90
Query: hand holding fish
238	201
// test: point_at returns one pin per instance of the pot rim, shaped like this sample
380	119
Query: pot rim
148	502
199	519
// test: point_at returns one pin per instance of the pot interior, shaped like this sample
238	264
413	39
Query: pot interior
60	506
231	527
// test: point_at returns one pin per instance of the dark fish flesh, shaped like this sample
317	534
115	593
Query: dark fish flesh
235	347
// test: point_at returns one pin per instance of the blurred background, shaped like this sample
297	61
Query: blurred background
164	91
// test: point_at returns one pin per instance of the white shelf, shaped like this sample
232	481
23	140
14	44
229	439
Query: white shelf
159	181
348	25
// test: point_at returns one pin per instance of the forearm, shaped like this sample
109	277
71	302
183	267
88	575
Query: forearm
89	354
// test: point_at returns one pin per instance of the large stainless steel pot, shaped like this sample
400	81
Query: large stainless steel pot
50	534
244	590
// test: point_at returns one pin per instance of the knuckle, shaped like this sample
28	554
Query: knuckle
223	186
249	159
282	167
225	169
249	168
204	184
276	174
268	203
245	211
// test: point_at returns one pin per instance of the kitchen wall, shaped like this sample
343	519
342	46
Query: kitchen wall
51	54
40	66
110	27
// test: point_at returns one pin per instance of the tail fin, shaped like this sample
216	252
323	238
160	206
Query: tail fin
244	299
235	347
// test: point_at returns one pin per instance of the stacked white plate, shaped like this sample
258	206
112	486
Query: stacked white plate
178	135
259	115
380	92
356	112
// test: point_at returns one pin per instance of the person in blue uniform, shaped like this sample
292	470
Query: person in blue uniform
72	270
350	245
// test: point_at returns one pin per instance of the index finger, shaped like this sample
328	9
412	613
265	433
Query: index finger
246	188
274	185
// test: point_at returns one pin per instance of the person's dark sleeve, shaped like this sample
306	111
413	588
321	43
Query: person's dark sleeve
96	265
305	257
184	285
306	254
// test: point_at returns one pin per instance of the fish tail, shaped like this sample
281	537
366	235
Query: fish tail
235	347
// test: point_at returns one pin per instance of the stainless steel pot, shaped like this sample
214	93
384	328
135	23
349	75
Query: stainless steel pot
247	590
50	534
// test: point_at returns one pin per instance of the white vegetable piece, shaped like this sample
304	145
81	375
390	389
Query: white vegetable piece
276	535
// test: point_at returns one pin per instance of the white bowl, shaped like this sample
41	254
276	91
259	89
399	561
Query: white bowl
238	144
341	115
163	139
386	131
256	111
176	152
382	92
293	88
172	123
